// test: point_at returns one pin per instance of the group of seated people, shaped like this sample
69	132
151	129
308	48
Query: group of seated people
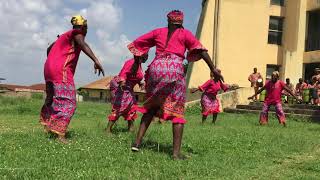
307	91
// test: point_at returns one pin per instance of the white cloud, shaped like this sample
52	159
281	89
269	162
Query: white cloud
28	26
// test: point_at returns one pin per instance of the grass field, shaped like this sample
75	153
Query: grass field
235	148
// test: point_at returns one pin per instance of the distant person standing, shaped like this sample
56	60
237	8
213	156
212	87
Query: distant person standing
256	81
59	70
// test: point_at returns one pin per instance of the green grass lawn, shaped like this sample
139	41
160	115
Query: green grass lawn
235	148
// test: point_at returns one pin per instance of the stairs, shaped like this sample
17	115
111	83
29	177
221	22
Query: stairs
301	112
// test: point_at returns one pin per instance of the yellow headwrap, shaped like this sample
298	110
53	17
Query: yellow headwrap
78	20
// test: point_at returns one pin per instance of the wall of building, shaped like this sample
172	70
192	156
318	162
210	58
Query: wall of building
230	99
311	57
313	4
198	72
294	40
243	40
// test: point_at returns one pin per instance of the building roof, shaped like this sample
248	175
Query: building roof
104	84
41	87
14	87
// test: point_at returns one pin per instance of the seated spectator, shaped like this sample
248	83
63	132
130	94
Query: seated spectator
285	93
300	86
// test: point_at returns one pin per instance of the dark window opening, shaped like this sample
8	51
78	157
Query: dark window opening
277	2
312	32
275	30
270	69
101	95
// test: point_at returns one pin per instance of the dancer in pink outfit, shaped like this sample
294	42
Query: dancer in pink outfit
209	101
274	87
165	80
59	70
123	100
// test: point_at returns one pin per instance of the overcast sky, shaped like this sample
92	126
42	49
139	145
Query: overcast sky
28	26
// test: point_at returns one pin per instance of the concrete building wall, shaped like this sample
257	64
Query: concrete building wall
241	39
312	4
294	40
198	72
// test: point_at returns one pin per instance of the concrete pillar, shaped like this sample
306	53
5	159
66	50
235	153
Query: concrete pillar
294	40
205	33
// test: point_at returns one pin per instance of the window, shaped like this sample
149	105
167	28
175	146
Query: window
270	69
275	30
277	2
101	95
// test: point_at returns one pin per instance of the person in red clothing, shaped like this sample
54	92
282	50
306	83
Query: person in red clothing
209	101
300	86
123	100
59	70
273	98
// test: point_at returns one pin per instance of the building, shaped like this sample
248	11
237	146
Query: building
36	90
99	91
271	35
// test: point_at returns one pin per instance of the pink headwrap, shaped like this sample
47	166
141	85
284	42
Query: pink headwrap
175	17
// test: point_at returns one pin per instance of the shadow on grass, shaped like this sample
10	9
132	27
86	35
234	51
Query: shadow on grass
165	148
118	130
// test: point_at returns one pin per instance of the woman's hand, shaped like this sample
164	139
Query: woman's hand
98	68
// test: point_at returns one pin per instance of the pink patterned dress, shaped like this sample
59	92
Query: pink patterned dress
59	69
209	101
123	100
165	81
273	97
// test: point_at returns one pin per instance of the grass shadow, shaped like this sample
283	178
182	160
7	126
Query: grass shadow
117	130
164	148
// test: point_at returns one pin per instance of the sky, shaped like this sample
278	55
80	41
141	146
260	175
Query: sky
29	26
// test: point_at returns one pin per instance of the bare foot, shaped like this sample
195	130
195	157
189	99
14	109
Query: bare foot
108	131
180	157
46	130
131	129
62	139
284	124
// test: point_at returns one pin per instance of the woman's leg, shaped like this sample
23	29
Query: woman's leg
214	118
63	108
177	138
204	118
264	114
256	88
109	126
145	122
45	113
280	114
131	126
